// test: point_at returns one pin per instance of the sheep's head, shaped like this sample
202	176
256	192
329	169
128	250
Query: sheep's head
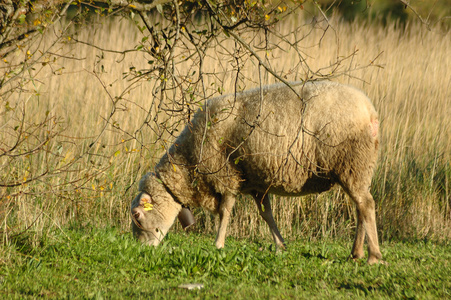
153	211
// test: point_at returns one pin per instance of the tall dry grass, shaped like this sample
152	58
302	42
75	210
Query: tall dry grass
409	83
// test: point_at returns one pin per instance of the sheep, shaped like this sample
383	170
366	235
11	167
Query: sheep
282	140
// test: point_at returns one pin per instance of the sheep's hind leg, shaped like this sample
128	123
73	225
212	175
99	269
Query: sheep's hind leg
264	208
357	248
366	222
225	209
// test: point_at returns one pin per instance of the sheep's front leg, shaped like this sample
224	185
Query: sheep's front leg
264	208
225	209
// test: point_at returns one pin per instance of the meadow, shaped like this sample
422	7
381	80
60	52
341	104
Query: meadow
95	162
98	263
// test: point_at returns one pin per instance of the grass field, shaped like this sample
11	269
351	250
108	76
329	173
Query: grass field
106	263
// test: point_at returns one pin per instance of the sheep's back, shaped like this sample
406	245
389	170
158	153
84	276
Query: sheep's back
284	145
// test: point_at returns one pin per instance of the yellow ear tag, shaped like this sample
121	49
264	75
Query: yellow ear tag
147	206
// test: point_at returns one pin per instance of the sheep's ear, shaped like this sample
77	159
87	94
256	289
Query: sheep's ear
146	202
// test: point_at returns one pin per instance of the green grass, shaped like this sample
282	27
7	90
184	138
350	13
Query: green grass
84	262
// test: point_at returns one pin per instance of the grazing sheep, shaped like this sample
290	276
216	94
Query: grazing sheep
266	141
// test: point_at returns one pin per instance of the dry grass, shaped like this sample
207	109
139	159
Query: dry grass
410	87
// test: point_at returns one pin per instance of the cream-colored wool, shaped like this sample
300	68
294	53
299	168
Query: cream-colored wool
278	144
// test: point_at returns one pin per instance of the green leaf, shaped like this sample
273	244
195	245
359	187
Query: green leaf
21	18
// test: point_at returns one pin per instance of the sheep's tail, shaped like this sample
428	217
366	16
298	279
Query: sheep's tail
374	128
374	132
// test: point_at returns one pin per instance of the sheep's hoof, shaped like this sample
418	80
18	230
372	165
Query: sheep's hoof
186	218
219	245
281	247
355	257
372	261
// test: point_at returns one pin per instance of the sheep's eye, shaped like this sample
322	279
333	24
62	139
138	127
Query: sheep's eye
156	230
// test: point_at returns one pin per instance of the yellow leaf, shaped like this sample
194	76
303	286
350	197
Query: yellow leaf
280	9
267	17
132	6
175	170
68	154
